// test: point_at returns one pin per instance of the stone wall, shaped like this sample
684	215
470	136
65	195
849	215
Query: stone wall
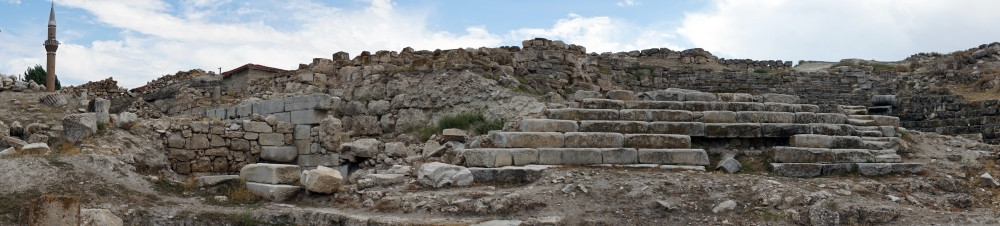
951	115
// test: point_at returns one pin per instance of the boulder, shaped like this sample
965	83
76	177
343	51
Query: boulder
987	179
126	120
438	174
52	210
16	130
102	217
79	126
453	135
270	173
35	149
54	100
322	180
12	142
729	164
102	108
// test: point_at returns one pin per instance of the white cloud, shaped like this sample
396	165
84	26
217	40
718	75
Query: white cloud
15	2
600	34
836	29
628	3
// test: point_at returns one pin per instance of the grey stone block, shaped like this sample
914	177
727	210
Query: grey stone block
694	129
269	107
270	173
594	140
591	103
527	139
508	174
745	106
831	118
656	115
718	117
302	132
614	126
666	105
620	155
483	157
779	98
621	95
306	102
271	139
797	169
257	127
273	192
313	160
673	156
582	114
698	106
282	154
781	107
832	129
732	130
780	130
765	117
282	116
852	156
808	108
516	157
824	141
802	155
308	116
657	141
581	156
548	125
806	117
244	111
881	169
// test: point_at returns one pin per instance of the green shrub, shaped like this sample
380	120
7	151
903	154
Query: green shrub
460	121
38	75
487	126
463	121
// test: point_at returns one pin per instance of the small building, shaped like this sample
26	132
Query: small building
240	77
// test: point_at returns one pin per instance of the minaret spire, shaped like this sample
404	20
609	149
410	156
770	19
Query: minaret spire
51	45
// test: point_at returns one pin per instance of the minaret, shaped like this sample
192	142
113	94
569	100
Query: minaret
50	48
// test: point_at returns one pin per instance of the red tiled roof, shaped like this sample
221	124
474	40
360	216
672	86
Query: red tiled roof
251	66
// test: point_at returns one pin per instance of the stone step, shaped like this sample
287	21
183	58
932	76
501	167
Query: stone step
594	140
527	139
271	173
597	103
888	158
614	126
869	133
651	115
662	167
582	114
821	155
548	125
733	130
673	156
873	120
826	141
657	141
824	169
508	174
274	192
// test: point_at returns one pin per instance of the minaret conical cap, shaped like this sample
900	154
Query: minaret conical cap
52	15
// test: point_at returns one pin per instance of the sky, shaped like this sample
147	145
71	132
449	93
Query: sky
136	41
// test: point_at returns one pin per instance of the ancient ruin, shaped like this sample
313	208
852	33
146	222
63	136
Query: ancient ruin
539	134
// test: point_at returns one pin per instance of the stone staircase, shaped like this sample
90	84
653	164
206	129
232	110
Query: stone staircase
622	128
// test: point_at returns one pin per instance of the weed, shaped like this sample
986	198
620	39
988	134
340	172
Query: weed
769	215
460	121
487	126
492	76
243	219
464	121
236	192
101	127
166	186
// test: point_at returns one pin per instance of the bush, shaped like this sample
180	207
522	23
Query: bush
464	121
37	75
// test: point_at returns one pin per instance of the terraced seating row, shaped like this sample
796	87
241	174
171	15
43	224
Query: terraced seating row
500	157
702	129
594	103
812	155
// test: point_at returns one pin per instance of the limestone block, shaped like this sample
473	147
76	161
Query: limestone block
584	94
877	120
77	127
484	157
365	148
199	126
718	117
745	106
594	140
281	116
302	132
527	139
282	154
438	174
824	141
270	173
271	139
732	130
666	105
673	156
591	103
831	118
682	128
807	108
582	114
621	95
126	120
806	117
332	159
765	117
257	127
852	156
363	125
209	181
198	141
881	169
508	174
699	106
51	210
779	98
802	155
657	141
735	97
453	135
797	169
781	107
832	129
614	126
398	150
656	115
307	102
35	149
579	156
322	180
274	192
548	125
54	100
268	107
102	217
522	157
619	156
780	130
309	117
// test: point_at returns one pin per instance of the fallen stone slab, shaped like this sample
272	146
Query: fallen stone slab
438	174
270	173
548	125
35	149
527	139
508	174
77	127
381	180
209	181
274	192
321	180
673	156
594	140
453	135
881	169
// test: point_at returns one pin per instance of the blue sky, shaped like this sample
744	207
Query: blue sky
136	41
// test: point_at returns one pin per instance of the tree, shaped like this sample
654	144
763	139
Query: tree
37	75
